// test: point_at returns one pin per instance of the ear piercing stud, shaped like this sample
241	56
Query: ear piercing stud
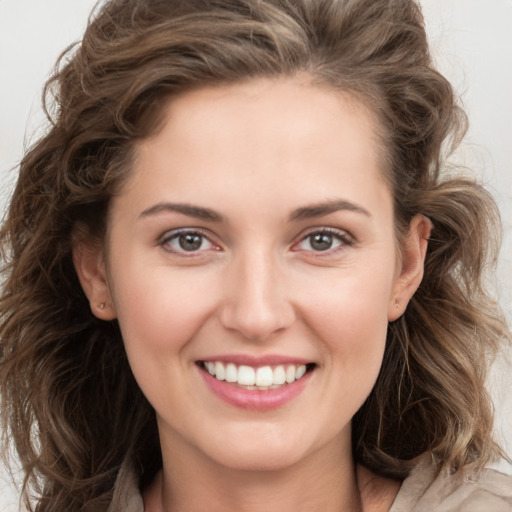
101	306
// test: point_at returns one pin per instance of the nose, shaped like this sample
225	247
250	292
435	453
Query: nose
256	302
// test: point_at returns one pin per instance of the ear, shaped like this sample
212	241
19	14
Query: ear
90	266
410	273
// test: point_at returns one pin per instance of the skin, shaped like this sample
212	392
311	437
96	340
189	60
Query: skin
258	155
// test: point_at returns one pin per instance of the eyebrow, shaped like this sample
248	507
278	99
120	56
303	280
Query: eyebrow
186	209
321	209
303	213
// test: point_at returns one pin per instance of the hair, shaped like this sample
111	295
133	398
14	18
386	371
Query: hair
69	401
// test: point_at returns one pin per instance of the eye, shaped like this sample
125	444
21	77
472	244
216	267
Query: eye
324	240
187	241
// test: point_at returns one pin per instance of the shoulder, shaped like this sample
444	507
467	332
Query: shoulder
465	491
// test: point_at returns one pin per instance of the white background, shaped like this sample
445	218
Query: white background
472	42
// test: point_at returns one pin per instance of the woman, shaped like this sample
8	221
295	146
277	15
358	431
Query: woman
235	276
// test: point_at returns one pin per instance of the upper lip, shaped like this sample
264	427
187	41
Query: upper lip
256	361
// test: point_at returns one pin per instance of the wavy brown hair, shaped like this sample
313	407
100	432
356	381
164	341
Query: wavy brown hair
69	401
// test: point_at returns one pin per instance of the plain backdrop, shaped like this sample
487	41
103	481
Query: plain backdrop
472	44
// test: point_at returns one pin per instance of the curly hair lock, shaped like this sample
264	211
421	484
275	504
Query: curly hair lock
69	400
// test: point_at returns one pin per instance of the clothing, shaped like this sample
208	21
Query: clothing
422	491
487	491
127	497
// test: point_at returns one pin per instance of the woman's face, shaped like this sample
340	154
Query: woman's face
253	241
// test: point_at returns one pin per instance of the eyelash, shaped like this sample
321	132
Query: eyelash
175	235
342	237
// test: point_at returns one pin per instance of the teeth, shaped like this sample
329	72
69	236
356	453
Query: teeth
300	371
279	375
246	375
262	378
290	374
231	373
220	373
210	367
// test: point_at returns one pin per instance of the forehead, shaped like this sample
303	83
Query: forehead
277	104
276	138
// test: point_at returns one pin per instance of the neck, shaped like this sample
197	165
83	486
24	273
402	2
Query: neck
325	480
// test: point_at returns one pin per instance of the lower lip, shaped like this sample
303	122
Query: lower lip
254	399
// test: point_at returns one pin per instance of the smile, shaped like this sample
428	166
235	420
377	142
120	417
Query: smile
260	378
256	387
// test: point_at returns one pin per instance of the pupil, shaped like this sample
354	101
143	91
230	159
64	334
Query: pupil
190	242
321	242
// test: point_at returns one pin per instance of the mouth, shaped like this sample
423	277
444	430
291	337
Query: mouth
256	378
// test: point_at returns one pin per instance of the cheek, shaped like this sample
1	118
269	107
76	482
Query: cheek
350	317
159	314
161	310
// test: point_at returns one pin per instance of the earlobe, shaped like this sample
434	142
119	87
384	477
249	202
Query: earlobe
413	252
90	268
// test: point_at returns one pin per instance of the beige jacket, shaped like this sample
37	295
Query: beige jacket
489	491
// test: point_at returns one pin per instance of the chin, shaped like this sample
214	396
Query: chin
260	452
258	460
